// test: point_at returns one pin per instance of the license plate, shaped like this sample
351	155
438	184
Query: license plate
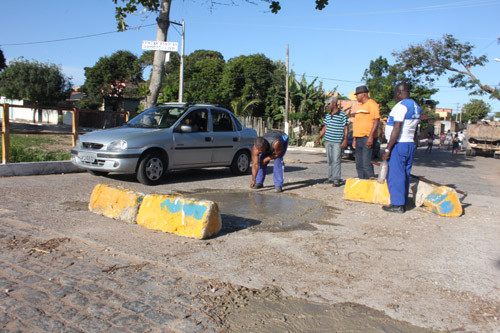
87	157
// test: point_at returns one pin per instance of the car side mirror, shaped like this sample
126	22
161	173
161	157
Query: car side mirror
186	129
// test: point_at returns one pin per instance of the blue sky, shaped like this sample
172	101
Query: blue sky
335	44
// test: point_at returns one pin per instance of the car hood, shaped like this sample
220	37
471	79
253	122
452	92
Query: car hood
120	133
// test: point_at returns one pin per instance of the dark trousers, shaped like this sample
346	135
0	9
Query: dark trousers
363	156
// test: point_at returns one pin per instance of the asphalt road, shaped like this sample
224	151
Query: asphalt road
66	269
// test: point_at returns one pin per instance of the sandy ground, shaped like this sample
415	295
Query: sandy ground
432	272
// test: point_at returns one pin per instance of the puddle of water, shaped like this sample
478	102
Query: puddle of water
267	211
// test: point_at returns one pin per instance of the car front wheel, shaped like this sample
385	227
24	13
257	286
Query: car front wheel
151	169
241	163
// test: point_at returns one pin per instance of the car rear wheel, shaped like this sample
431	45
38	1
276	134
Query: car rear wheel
151	169
97	173
241	163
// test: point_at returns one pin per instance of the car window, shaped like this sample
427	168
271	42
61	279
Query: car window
237	123
157	117
197	119
221	121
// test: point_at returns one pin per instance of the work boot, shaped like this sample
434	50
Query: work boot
328	181
394	209
278	189
338	182
257	186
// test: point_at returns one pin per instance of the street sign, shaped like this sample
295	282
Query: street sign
161	46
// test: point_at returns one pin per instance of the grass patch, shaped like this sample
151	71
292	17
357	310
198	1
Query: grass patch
39	148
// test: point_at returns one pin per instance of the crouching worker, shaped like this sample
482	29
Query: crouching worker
271	146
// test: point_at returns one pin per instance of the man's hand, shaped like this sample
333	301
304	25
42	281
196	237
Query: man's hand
317	142
344	143
265	162
386	156
252	183
354	143
369	142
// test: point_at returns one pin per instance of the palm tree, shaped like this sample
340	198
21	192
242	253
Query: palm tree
241	107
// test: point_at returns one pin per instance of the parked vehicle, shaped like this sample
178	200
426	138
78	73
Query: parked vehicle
168	137
348	151
483	137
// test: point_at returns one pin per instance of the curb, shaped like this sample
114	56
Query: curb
38	168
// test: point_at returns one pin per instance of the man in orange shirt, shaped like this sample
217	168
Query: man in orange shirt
364	132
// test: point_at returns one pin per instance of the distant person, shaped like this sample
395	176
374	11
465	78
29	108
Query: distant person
335	131
449	140
430	139
365	127
271	146
461	138
442	139
455	144
400	133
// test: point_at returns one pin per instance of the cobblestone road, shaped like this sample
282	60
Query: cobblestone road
56	284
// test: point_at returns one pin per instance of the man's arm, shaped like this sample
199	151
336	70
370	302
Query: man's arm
278	150
321	133
346	132
396	131
255	165
369	141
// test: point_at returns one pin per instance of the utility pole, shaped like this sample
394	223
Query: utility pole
286	93
181	71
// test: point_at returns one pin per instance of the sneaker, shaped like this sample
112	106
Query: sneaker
328	181
338	182
394	209
278	189
257	186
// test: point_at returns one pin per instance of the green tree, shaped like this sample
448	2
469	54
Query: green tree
248	77
162	9
307	102
381	78
43	84
107	78
434	58
3	64
202	76
241	107
475	110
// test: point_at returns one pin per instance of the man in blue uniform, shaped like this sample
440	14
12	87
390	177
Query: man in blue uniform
400	133
271	146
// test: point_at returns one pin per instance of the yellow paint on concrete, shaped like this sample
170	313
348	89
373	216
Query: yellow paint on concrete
444	201
367	190
182	216
115	202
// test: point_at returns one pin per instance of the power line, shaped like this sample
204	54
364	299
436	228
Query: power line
78	37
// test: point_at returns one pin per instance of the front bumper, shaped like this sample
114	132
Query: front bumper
122	162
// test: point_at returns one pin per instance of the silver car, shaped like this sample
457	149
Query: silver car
167	137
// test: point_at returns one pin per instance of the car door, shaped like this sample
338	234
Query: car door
226	138
193	148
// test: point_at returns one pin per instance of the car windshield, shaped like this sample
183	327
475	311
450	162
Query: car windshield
157	117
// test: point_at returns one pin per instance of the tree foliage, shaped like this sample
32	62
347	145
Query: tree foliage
3	64
475	110
43	84
107	79
162	9
381	78
434	58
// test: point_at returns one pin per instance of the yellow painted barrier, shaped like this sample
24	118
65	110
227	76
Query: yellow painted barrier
115	202
444	202
182	216
367	190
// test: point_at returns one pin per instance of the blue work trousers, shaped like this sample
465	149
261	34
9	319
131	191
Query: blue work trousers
363	156
334	157
398	176
278	168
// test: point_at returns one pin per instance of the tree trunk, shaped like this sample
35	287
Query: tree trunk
158	71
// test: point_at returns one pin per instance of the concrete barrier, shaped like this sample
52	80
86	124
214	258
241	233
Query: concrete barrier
367	190
115	202
182	216
444	202
421	190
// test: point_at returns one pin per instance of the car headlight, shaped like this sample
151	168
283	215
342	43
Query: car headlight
117	145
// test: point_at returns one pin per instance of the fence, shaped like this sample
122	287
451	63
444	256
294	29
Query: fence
6	131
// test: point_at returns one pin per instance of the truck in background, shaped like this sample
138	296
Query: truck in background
483	137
